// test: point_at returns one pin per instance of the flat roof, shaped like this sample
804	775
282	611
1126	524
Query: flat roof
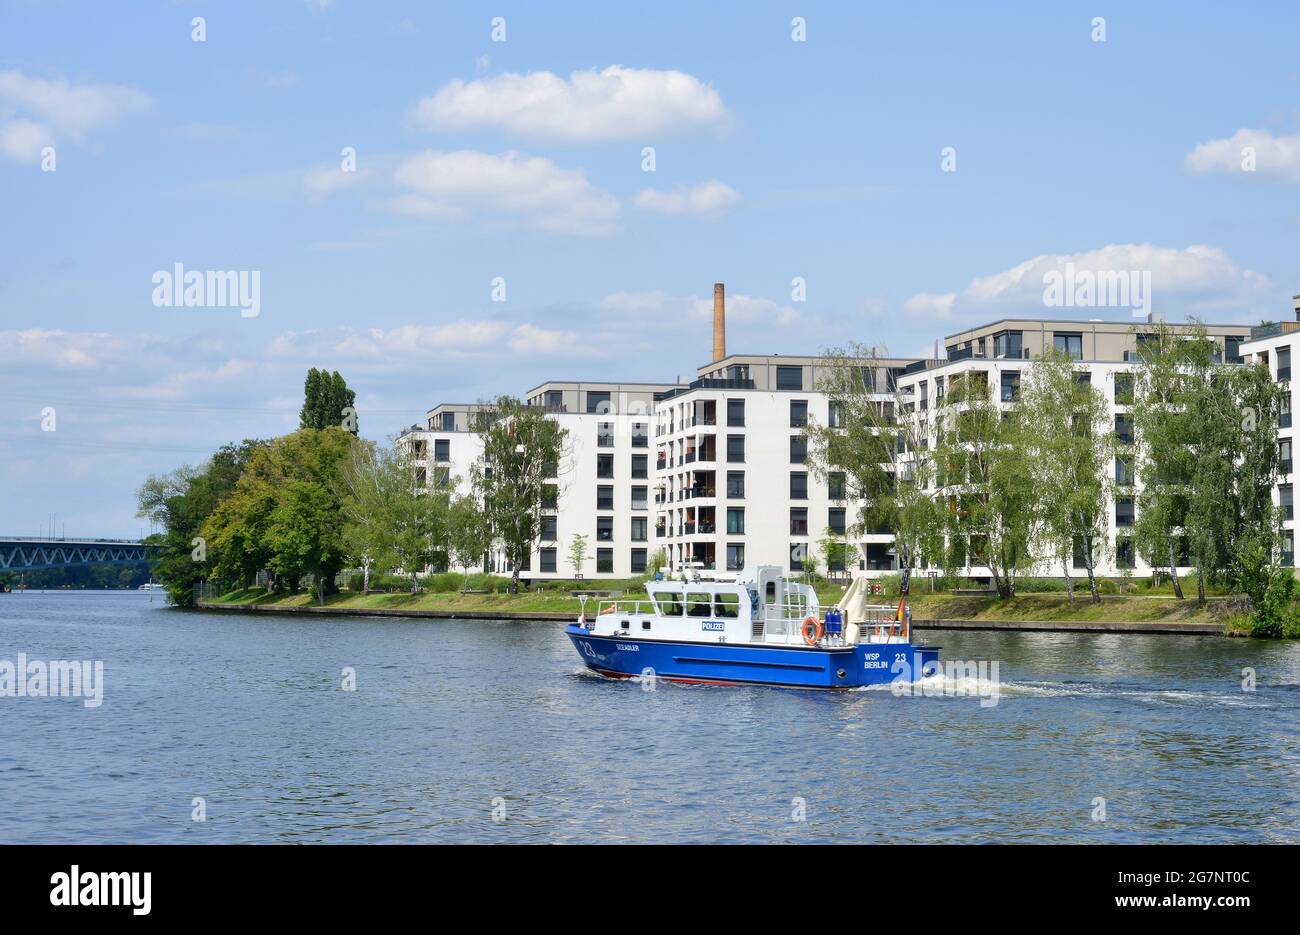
1087	321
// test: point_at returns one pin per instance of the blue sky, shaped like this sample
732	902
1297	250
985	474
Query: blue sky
522	159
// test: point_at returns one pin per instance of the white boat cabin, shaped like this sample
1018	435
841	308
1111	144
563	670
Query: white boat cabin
761	606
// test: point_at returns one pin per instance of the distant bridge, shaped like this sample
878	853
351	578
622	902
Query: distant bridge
26	554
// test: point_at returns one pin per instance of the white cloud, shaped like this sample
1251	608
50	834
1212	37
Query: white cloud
74	109
36	111
1274	156
321	181
22	140
707	200
615	104
1191	280
510	186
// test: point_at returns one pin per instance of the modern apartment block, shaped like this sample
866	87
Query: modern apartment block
1105	352
713	472
1275	346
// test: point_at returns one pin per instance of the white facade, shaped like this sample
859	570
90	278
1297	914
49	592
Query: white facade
1276	351
711	472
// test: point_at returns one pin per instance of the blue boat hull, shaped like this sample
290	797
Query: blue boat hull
739	664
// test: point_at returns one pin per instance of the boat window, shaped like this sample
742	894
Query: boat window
727	605
670	604
771	592
699	605
645	624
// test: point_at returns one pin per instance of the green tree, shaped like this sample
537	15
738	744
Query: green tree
470	534
874	450
1069	447
180	502
520	448
391	522
985	493
240	530
327	401
577	553
834	550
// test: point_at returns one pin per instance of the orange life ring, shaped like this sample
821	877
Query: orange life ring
812	630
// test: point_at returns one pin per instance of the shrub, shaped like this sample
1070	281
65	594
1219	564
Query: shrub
1107	586
1275	616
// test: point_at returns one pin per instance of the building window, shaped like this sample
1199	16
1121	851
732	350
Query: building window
1284	456
1069	342
736	412
1123	429
798	413
604	465
835	521
1232	349
640	435
605	435
548	528
735	556
1285	496
640	498
550	496
1284	410
1288	548
736	448
735	521
604	561
1123	389
736	485
1123	473
597	403
798	552
605	528
789	378
449	421
441	478
441	449
640	467
605	497
1008	344
548	560
1124	511
1124	552
798	485
1284	363
835	485
798	449
798	521
638	561
640	528
1010	385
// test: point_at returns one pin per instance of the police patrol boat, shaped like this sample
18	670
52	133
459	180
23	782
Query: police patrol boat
753	628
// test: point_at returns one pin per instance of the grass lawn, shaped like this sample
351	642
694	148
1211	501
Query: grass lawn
940	606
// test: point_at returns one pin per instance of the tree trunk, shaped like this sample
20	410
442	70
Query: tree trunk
1069	581
365	578
1200	586
1173	571
1092	570
514	575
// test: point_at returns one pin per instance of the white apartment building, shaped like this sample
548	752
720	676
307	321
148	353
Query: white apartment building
1275	346
1106	355
712	471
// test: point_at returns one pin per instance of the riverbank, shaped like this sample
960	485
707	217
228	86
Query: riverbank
1033	612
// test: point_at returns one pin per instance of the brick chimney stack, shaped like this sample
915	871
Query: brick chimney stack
719	321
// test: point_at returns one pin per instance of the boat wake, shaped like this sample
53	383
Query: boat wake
944	686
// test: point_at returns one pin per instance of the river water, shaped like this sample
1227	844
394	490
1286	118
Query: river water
493	731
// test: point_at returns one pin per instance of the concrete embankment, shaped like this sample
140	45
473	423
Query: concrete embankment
1046	626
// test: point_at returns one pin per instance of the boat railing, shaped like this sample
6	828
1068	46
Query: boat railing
881	625
642	607
783	620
